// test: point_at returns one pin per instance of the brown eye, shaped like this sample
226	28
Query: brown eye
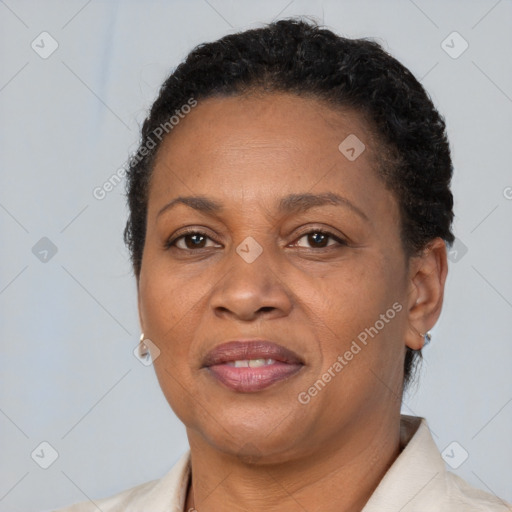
318	239
193	241
189	241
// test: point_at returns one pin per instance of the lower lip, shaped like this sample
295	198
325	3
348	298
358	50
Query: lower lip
247	380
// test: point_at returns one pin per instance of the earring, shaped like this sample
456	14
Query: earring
427	336
143	349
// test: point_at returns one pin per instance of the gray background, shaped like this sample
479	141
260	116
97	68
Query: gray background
69	323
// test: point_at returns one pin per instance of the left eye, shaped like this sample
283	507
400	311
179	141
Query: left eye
318	239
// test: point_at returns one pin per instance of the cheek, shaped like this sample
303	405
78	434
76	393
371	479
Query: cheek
359	314
167	310
170	295
163	315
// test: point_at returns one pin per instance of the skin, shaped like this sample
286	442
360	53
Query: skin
266	450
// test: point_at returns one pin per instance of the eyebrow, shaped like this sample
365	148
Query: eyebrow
293	203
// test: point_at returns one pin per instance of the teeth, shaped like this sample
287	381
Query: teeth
255	363
251	363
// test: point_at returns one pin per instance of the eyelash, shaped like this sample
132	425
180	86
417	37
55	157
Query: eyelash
172	241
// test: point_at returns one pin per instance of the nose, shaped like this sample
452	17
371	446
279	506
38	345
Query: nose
249	290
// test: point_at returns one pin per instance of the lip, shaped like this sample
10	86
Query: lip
250	379
250	349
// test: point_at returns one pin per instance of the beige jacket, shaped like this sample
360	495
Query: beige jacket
417	481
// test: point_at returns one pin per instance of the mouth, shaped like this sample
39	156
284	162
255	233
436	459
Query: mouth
251	365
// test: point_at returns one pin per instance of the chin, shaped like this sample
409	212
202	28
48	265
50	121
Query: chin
253	442
260	450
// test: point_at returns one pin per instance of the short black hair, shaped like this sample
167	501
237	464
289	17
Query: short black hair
298	56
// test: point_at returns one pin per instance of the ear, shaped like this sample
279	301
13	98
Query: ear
427	277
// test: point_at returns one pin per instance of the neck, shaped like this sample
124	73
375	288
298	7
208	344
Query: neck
340	477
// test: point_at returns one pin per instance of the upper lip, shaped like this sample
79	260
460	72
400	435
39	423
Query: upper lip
240	350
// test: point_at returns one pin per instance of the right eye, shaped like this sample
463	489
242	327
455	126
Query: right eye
189	240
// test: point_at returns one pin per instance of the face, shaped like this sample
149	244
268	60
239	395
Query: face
295	242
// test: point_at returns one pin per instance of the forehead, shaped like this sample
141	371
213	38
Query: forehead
260	147
271	121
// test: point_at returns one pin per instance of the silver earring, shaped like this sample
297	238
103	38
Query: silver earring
143	349
427	336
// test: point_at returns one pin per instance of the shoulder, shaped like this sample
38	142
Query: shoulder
419	480
119	501
461	495
162	495
443	489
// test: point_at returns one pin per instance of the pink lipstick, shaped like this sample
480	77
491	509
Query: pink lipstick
251	365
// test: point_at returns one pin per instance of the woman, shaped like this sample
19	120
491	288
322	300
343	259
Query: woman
289	214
